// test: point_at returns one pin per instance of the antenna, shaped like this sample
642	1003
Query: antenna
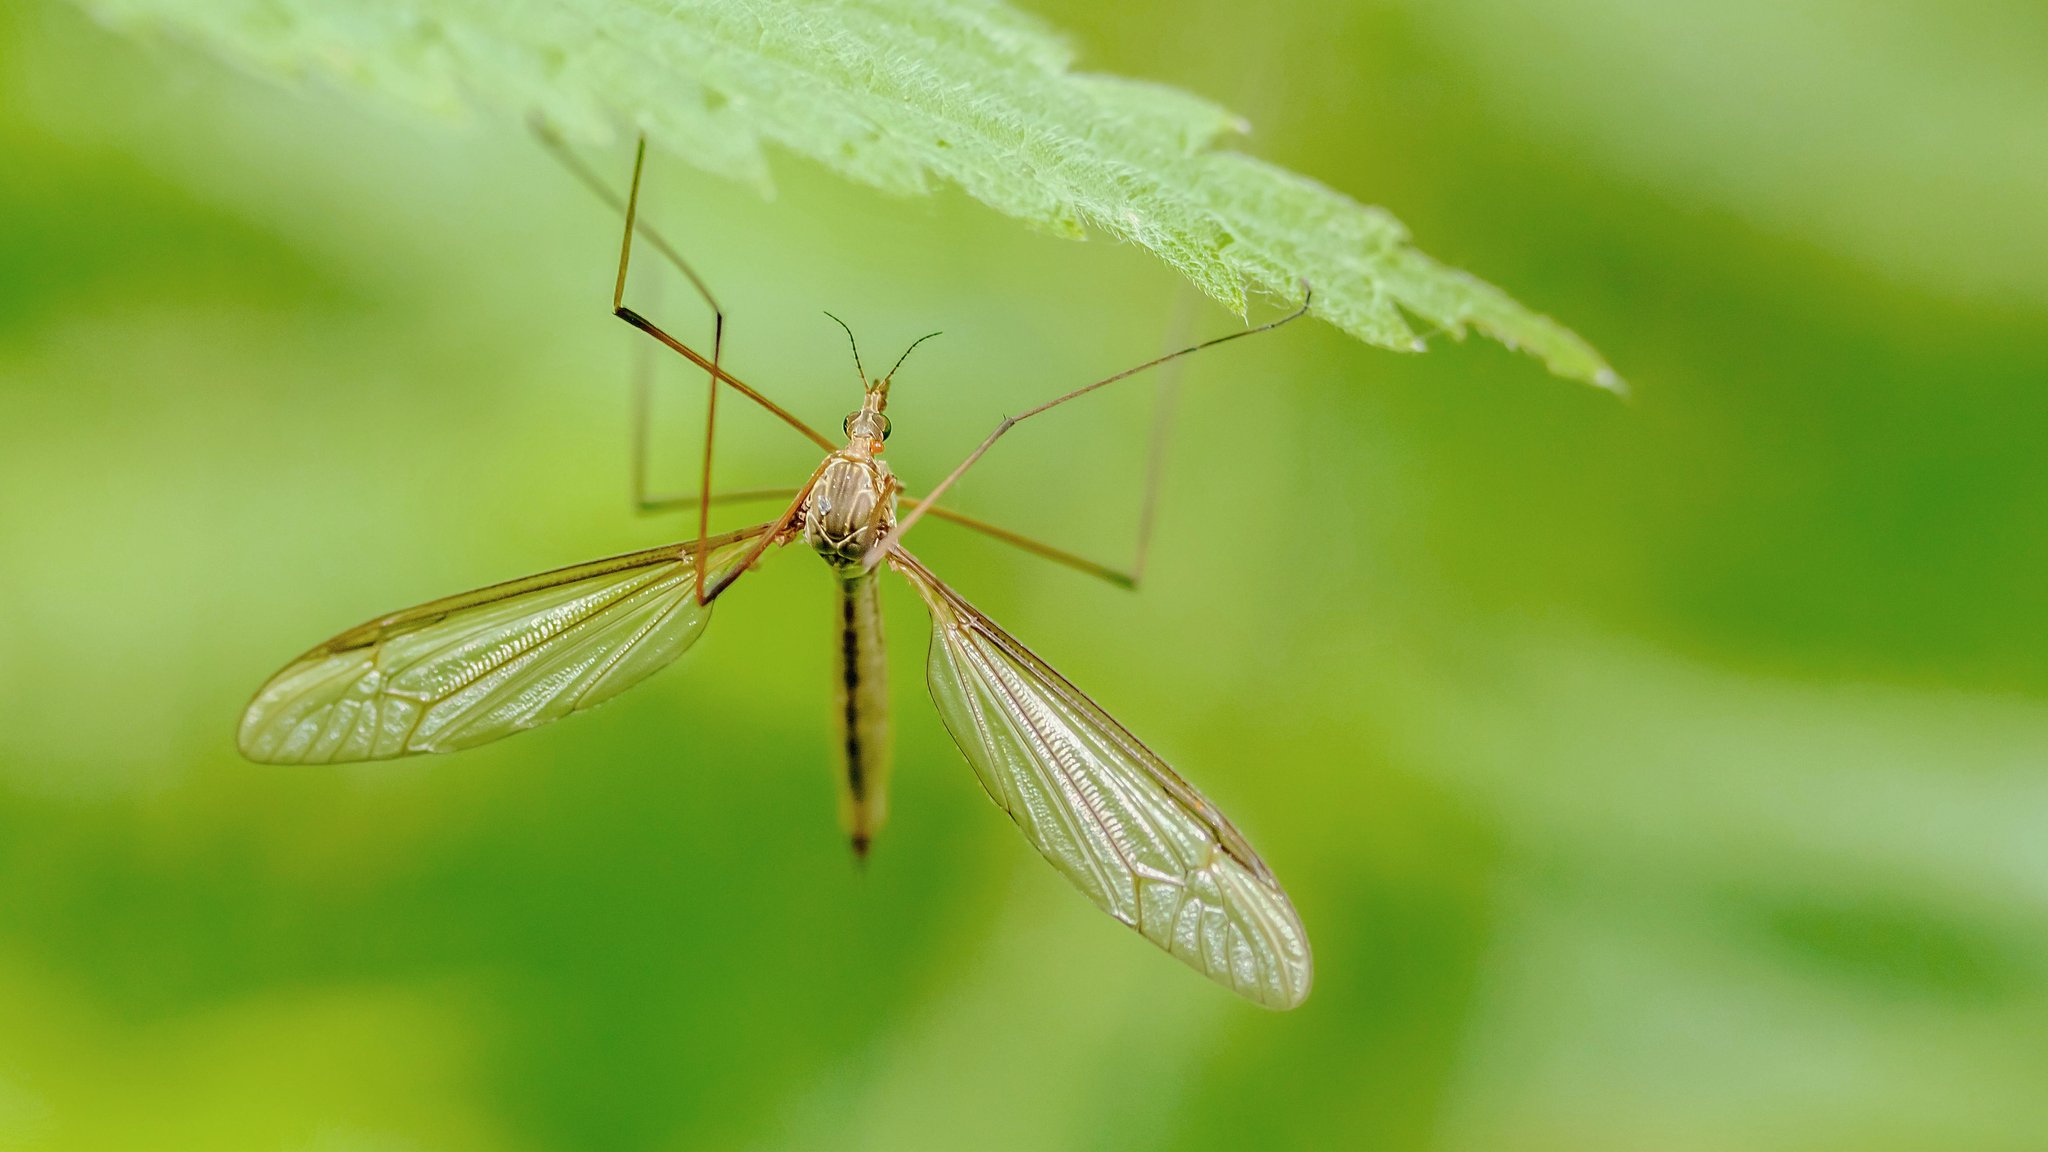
856	350
908	351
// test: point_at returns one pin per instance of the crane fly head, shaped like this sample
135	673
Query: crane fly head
869	424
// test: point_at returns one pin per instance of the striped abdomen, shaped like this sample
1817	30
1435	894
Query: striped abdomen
863	708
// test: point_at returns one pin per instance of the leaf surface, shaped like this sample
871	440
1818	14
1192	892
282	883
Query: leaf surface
896	94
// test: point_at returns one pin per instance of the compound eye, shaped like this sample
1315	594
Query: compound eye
872	425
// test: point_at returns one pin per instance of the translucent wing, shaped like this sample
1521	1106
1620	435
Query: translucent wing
1138	839
471	668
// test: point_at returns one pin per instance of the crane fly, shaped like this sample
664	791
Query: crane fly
1107	812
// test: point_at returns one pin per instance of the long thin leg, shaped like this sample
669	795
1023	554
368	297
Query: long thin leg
717	346
882	546
643	421
773	536
642	380
731	381
685	351
688	501
712	367
1121	579
1164	396
644	367
645	503
589	179
717	373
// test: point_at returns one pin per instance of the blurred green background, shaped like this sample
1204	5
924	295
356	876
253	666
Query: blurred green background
1668	775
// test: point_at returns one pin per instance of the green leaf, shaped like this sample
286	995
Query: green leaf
894	94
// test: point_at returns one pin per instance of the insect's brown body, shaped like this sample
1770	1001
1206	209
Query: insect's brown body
850	506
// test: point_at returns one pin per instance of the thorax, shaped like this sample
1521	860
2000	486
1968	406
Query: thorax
852	505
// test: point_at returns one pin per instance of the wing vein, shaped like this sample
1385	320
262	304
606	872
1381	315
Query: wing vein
1135	837
472	668
1049	755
